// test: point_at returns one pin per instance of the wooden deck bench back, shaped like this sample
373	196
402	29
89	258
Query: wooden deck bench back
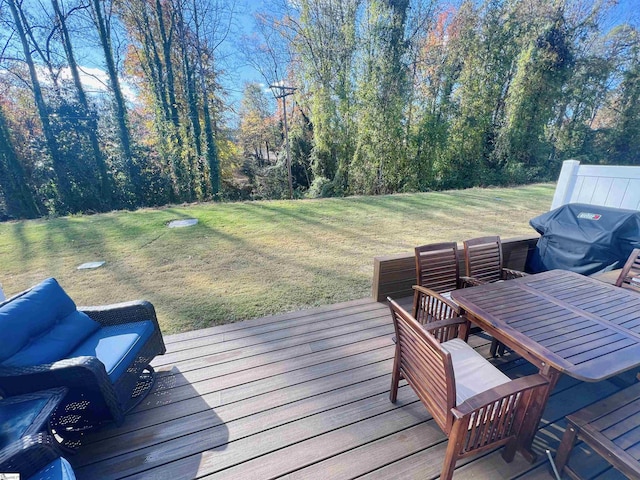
395	275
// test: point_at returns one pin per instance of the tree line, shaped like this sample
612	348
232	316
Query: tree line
63	150
415	95
390	96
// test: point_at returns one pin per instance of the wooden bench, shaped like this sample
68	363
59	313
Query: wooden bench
611	427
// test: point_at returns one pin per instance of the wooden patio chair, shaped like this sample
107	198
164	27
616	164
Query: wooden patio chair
483	261
630	274
429	307
437	266
476	406
484	264
437	274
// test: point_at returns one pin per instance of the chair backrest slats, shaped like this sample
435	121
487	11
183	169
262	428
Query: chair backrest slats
437	266
483	258
426	366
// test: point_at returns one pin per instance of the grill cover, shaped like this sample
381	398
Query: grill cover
584	239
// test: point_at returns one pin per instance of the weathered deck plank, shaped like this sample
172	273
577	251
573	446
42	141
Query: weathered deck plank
300	396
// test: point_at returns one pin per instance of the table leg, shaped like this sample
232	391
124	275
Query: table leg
534	415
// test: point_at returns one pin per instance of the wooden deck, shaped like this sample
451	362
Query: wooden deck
305	395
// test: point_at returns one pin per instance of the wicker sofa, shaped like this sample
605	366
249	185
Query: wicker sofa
100	354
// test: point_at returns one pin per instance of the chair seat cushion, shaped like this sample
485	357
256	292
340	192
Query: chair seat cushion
59	469
447	295
116	346
16	418
473	373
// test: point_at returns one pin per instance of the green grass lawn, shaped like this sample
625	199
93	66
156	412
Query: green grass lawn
245	260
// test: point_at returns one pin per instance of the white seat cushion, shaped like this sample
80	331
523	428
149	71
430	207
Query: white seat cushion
473	373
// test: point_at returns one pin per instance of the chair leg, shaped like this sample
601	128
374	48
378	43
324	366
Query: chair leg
494	348
566	445
509	450
395	379
450	458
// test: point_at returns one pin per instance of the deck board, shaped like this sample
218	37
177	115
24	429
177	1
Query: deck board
304	395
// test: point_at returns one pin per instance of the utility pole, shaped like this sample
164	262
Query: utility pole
283	94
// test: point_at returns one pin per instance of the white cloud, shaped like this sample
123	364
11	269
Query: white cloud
94	80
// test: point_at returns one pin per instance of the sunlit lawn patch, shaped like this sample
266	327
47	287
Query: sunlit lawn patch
245	260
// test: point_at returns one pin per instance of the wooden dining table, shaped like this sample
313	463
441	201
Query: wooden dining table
561	322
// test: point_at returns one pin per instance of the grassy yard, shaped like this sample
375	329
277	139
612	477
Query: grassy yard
246	260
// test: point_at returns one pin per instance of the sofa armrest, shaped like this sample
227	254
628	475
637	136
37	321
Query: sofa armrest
119	313
77	372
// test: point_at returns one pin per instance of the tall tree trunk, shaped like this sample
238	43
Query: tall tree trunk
64	185
92	130
167	39
18	197
212	150
192	100
118	97
180	168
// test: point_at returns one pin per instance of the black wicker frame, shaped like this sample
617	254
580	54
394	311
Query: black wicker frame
29	454
40	423
36	448
92	398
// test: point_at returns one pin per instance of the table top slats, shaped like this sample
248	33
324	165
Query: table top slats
575	329
580	326
543	315
531	304
593	337
588	352
620	308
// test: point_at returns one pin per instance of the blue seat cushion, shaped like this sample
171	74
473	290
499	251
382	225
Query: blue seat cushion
27	321
16	418
59	469
116	346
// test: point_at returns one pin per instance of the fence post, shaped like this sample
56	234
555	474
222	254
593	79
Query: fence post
566	183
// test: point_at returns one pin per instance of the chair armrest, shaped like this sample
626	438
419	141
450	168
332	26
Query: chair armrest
448	329
509	274
471	282
424	291
119	313
484	399
29	454
81	372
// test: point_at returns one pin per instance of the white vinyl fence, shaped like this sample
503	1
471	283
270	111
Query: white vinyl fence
611	186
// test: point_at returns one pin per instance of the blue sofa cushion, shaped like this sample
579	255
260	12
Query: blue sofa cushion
116	346
28	320
16	418
59	469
